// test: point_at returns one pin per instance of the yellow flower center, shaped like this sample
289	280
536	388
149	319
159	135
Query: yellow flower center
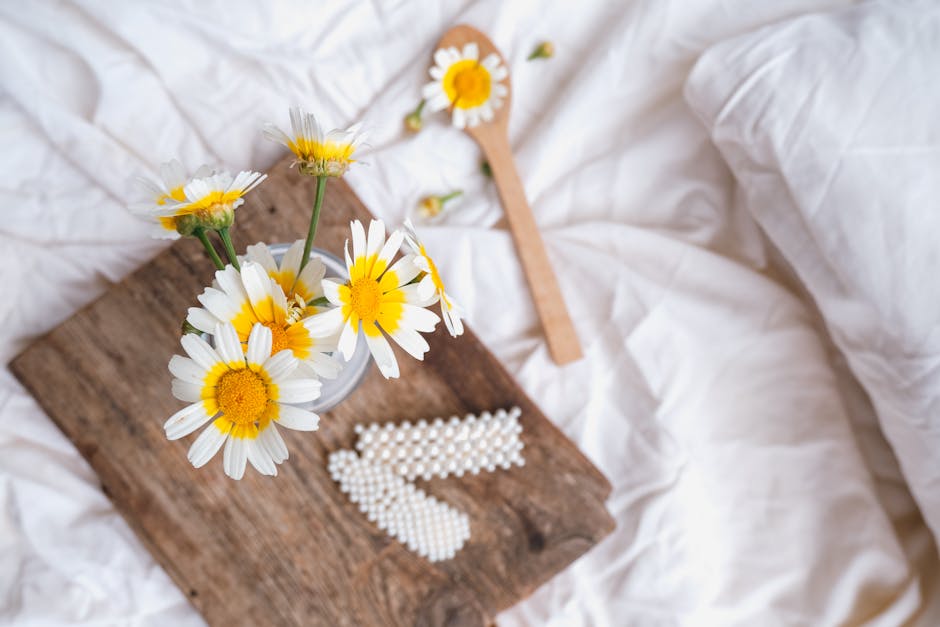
467	84
242	396
279	337
365	298
329	158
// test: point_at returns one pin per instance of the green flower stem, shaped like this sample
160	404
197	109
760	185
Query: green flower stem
201	234
453	194
229	248
323	300
417	112
314	218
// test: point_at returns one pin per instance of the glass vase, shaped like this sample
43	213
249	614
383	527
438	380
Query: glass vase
334	391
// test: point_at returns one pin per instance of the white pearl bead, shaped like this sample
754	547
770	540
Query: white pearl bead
379	480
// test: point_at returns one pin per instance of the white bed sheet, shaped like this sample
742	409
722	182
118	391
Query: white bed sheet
750	481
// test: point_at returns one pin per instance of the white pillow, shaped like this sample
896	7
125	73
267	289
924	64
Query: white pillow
831	125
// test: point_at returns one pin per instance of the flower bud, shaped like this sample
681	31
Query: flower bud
413	121
431	206
544	50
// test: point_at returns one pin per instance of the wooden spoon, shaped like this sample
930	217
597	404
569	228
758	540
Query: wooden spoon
493	139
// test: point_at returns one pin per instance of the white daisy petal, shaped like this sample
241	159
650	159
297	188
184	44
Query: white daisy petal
206	445
405	270
347	339
442	58
297	419
200	351
411	236
219	304
427	291
439	101
323	365
326	324
349	261
331	291
416	295
234	457
490	61
273	443
259	457
376	237
358	239
281	366
185	421
258	285
418	318
261	254
451	319
260	342
383	355
473	117
459	118
298	390
296	121
391	247
147	188
312	275
279	301
228	345
436	99
201	319
275	134
186	369
186	391
453	55
411	341
293	257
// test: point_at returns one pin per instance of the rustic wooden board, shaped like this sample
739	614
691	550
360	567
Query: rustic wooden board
292	550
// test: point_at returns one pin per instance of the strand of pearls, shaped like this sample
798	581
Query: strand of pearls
428	527
440	449
379	479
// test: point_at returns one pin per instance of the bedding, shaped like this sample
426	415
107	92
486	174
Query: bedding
750	483
829	123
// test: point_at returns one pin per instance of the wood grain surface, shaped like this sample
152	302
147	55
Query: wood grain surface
493	139
292	550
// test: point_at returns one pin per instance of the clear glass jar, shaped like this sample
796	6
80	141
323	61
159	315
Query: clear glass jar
334	391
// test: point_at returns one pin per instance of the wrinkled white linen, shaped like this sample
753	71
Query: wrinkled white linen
830	123
706	394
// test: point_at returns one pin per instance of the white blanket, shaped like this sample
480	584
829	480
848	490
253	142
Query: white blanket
750	483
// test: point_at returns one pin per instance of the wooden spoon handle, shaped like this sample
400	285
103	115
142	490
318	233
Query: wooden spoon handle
559	331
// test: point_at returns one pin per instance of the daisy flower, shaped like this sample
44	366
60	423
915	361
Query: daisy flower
471	88
318	153
210	202
300	286
243	393
250	297
431	287
168	189
376	300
